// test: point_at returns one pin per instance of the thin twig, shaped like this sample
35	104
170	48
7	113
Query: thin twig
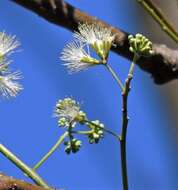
123	136
115	76
23	167
160	18
51	151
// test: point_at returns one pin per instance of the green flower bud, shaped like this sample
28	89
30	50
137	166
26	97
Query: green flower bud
72	146
97	131
140	45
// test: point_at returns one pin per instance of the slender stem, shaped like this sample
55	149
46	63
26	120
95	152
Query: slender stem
123	136
115	76
82	132
160	18
22	166
59	141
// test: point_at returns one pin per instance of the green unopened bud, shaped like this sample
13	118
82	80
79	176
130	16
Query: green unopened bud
140	45
72	146
62	122
97	131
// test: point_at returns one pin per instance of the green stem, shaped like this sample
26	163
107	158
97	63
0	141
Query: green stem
159	17
115	76
60	140
123	136
22	166
82	132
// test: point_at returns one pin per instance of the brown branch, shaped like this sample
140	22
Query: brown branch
9	183
163	65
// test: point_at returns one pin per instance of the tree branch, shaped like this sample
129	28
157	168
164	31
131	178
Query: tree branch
9	183
163	65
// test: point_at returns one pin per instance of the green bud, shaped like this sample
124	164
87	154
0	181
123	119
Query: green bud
140	45
62	122
97	131
72	146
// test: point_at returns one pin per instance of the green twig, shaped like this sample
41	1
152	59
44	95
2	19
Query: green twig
160	18
82	132
115	77
125	119
60	140
22	166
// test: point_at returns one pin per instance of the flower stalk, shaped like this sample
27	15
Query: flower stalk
23	167
115	76
51	151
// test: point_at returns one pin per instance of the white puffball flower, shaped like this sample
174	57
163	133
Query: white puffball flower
9	87
8	44
68	110
100	38
76	58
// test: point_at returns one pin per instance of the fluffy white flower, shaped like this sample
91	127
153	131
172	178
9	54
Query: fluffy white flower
4	65
9	87
76	58
8	44
100	38
68	110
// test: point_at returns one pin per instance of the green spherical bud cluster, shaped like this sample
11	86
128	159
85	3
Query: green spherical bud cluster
97	131
72	146
140	45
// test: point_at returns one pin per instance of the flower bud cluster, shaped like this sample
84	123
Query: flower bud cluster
140	45
72	146
69	115
97	131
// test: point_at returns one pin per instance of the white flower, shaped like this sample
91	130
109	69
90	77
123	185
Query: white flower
100	38
9	87
76	58
68	110
8	44
4	65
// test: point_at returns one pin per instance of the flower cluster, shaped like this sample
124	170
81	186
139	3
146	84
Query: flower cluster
69	115
94	36
140	45
9	87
